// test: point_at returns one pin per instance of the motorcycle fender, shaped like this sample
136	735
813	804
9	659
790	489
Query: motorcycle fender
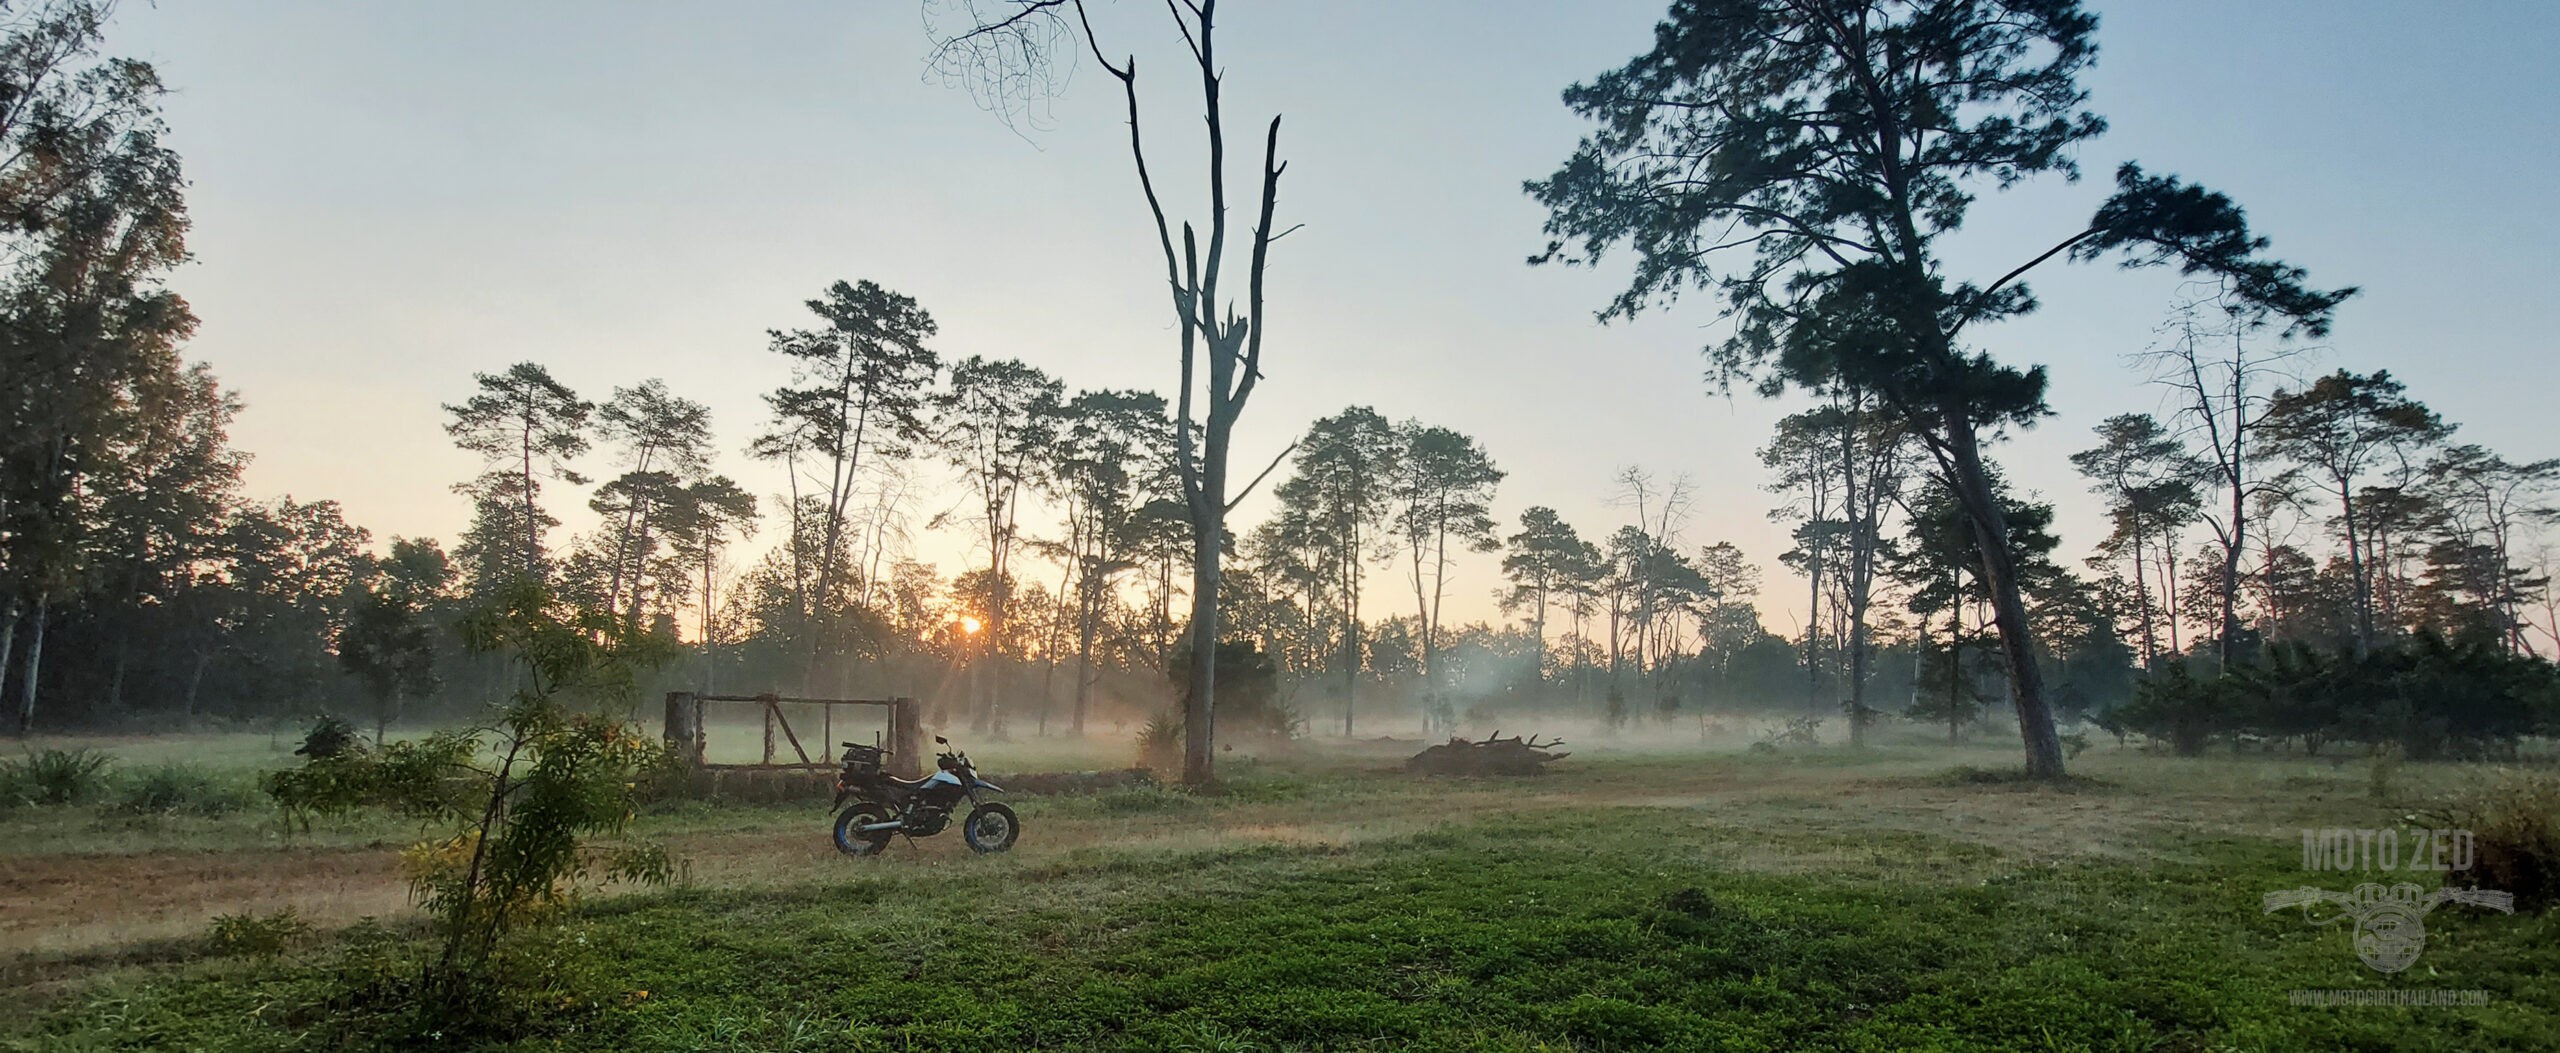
975	786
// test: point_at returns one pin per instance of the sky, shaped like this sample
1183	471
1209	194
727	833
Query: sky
389	197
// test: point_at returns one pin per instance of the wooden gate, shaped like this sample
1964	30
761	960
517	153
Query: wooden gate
690	718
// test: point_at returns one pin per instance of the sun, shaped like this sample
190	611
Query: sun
970	624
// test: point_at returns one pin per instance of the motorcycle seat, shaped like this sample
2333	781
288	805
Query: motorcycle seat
909	784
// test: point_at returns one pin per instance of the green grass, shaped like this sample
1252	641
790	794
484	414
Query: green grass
1580	928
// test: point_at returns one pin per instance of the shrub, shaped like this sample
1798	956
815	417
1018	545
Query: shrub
255	936
2176	706
54	777
1160	743
2515	835
178	789
520	828
330	736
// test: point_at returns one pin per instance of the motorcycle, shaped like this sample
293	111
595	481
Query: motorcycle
872	805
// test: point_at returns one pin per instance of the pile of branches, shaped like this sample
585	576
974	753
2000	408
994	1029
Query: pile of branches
1493	756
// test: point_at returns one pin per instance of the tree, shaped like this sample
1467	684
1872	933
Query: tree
2217	368
525	426
92	213
1442	489
998	424
1940	562
1114	457
1805	458
1008	55
857	391
2485	506
386	647
2337	430
1540	564
1828	145
2149	481
1729	623
666	442
166	484
1844	463
1342	480
708	513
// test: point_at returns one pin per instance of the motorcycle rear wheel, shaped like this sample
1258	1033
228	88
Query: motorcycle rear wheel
854	841
991	828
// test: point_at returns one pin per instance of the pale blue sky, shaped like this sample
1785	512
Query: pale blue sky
390	196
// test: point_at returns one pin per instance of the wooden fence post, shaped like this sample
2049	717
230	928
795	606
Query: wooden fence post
683	728
906	737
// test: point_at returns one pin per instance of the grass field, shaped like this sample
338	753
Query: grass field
1898	898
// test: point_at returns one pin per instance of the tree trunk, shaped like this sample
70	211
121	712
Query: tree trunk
195	683
2235	478
2009	610
1208	531
8	636
2356	569
1350	634
1084	653
1813	630
29	679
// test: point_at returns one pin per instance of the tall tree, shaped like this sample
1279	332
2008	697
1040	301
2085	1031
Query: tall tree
526	427
2148	480
1804	456
1442	490
1115	455
1540	564
2488	506
1825	147
1007	50
711	512
1342	479
92	214
2338	430
998	423
166	485
2217	364
858	384
665	442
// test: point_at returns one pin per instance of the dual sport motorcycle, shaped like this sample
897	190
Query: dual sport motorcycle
872	805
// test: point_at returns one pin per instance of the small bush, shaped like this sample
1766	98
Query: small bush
1160	743
2515	833
255	936
54	777
178	789
330	736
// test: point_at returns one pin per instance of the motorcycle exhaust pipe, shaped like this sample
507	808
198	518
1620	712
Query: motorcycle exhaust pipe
871	828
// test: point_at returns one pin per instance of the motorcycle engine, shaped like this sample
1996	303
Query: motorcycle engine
925	820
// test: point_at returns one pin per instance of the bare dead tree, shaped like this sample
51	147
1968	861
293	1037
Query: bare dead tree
1014	54
2216	365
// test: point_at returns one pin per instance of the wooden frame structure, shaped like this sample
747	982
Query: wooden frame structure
687	732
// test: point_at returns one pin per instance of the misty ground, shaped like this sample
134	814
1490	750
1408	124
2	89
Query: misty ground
1646	893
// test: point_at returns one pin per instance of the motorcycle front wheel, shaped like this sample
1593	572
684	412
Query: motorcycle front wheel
991	828
851	839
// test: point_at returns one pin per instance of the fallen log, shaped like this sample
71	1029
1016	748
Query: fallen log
1493	756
